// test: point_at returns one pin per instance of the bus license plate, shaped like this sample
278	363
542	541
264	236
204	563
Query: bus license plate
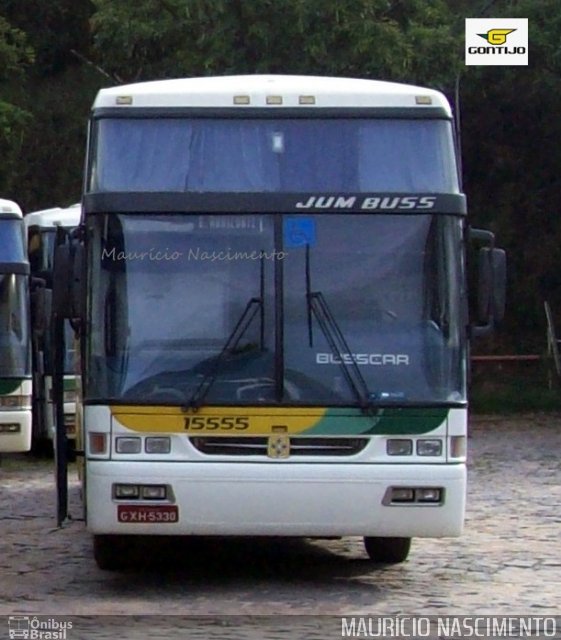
151	514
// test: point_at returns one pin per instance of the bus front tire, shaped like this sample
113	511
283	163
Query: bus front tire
387	550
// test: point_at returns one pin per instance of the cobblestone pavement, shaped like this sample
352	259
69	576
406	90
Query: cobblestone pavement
507	562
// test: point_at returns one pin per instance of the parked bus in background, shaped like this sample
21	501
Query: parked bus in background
15	351
270	287
41	229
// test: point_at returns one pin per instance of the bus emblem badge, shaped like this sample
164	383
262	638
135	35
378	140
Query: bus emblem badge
278	446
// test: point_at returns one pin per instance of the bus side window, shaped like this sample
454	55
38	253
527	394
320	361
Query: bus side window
34	248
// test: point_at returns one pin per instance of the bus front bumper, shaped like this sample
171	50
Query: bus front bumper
275	499
15	431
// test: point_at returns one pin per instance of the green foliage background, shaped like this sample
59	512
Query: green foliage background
55	55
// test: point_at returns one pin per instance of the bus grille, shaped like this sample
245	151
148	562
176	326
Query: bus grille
257	446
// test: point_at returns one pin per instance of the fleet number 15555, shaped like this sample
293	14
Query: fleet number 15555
221	423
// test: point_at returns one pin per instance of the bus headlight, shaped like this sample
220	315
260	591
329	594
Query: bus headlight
399	447
128	444
15	402
402	494
69	395
126	491
431	447
157	445
428	494
413	496
153	492
11	427
140	492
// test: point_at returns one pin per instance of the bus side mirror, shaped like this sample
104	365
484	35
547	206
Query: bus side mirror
38	303
492	284
68	280
62	281
491	289
78	297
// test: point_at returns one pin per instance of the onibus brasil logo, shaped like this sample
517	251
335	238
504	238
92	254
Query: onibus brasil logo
33	628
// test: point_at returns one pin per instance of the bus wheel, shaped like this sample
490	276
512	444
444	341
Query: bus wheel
387	550
111	553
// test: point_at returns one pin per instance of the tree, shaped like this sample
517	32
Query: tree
55	89
56	28
146	39
15	54
512	166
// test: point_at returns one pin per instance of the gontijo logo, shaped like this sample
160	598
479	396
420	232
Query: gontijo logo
506	41
496	36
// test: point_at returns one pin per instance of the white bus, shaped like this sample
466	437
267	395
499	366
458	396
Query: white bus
15	352
41	229
273	313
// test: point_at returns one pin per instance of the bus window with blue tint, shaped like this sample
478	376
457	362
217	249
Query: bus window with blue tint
14	331
274	155
11	242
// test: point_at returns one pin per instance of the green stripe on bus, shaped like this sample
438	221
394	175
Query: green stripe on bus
69	384
9	385
403	421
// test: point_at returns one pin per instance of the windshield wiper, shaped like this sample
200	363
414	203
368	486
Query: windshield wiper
318	307
252	307
249	313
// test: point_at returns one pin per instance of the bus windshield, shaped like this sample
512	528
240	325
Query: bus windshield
14	335
12	242
257	155
230	303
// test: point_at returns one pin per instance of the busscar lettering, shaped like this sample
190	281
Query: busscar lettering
372	359
368	203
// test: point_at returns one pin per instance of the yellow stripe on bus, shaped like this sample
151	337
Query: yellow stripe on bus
219	420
